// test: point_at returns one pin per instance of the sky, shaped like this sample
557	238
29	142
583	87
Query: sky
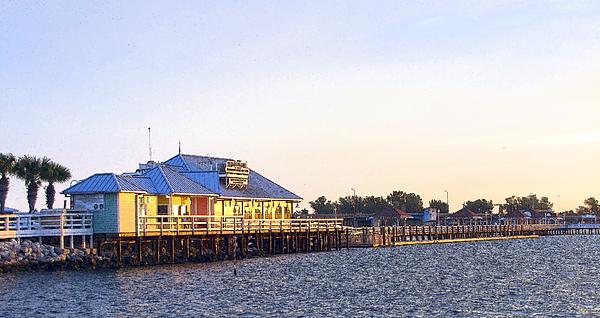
485	99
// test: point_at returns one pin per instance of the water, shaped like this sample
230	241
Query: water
550	277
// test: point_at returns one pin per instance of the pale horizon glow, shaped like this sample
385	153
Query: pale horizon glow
485	100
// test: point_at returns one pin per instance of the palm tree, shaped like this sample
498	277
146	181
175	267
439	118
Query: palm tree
52	173
29	169
7	165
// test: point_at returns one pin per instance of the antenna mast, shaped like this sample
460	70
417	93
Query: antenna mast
180	147
149	145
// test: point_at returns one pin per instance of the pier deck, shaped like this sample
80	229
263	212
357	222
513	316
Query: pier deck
169	239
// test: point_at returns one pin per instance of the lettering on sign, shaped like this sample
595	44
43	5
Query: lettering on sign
236	174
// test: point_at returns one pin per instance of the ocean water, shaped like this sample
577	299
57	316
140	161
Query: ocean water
546	277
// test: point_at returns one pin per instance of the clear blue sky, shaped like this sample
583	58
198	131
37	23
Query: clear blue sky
483	99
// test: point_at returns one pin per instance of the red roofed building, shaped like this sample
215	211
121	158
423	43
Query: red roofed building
465	216
391	217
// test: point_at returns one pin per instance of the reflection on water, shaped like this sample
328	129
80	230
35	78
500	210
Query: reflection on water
553	276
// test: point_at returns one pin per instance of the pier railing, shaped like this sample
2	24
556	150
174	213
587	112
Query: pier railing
54	223
386	236
214	224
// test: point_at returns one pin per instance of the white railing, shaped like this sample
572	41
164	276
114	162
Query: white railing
212	224
583	226
55	223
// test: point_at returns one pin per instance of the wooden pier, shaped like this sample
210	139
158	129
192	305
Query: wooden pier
50	224
173	239
395	236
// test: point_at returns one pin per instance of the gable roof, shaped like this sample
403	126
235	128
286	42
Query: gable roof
393	212
182	174
158	180
465	213
103	183
258	186
168	181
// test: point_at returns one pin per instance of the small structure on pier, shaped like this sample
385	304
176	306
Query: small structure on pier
391	217
464	216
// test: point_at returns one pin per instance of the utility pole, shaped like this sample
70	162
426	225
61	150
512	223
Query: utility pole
149	146
447	201
354	200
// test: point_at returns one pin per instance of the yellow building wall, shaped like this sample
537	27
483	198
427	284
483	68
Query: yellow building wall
251	209
151	202
177	201
182	200
274	209
127	207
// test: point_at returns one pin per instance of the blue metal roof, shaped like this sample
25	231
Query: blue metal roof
168	181
183	174
209	179
258	186
136	182
98	183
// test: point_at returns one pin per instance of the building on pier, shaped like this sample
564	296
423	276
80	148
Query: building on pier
391	217
531	216
185	185
465	216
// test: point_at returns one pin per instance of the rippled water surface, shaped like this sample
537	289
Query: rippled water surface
552	276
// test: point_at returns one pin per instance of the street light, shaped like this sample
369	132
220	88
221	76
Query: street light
447	202
354	200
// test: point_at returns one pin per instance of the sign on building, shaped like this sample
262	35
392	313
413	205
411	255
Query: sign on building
236	174
93	202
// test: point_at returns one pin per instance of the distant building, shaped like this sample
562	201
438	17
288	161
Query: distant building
530	216
464	216
430	215
391	217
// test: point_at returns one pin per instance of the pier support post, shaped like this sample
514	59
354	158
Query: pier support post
158	244
140	251
348	238
119	252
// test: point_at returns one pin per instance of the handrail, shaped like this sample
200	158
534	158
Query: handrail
206	224
45	224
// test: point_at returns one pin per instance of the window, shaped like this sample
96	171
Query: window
163	209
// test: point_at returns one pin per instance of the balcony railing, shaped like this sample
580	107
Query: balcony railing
211	224
52	223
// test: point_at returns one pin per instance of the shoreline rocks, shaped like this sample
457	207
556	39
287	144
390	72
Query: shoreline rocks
33	256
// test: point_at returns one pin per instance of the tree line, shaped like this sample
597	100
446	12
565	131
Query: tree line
412	203
409	202
33	171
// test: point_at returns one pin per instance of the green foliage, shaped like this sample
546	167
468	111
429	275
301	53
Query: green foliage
53	172
322	206
409	202
583	210
515	203
592	205
439	204
7	166
301	213
480	206
350	205
372	204
29	169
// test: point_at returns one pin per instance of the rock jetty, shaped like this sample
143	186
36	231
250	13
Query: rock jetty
33	256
